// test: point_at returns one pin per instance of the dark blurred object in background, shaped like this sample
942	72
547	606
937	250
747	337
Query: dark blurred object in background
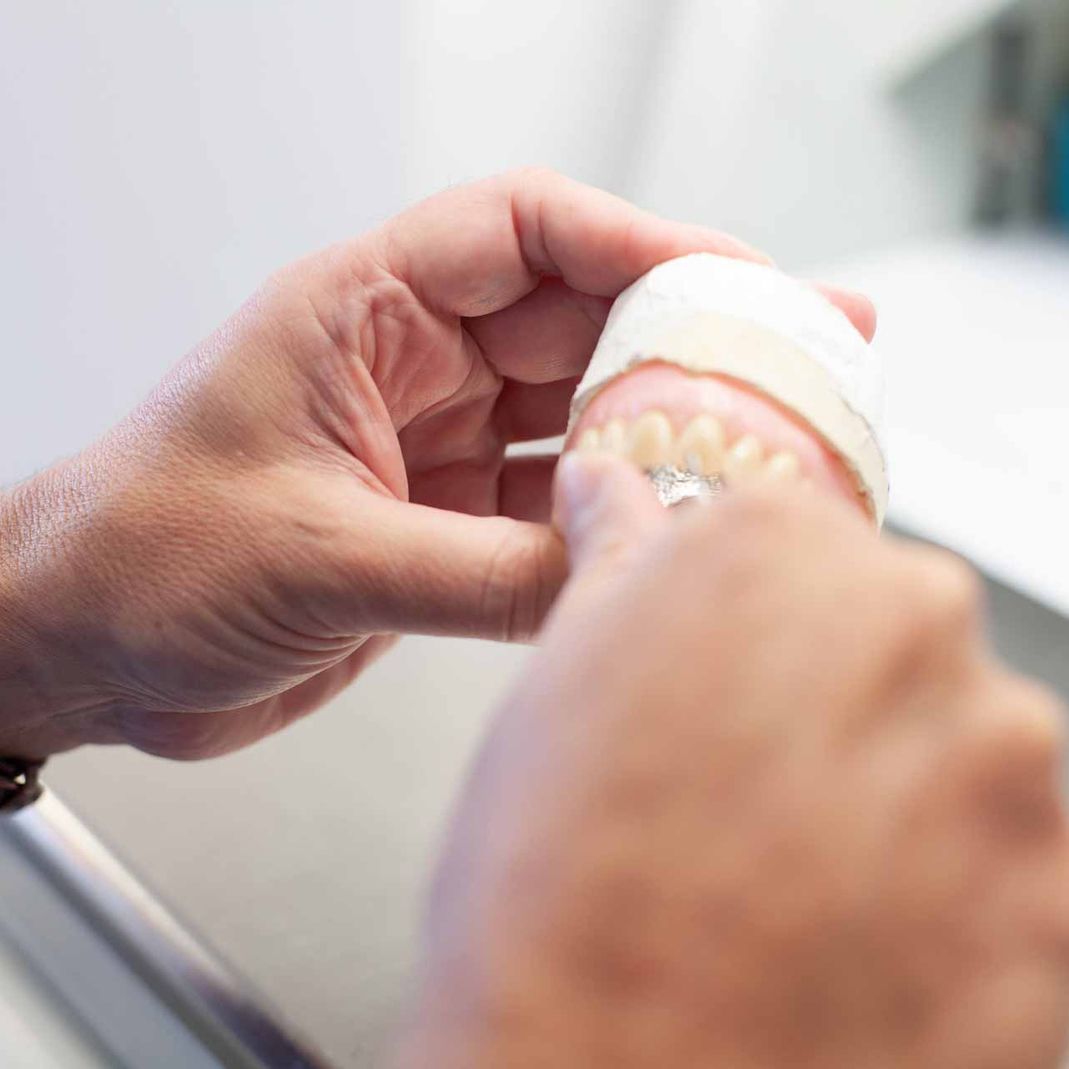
1009	141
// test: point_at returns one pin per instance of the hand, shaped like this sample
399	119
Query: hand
326	470
767	804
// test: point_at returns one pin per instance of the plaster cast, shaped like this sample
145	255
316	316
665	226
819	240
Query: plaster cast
713	314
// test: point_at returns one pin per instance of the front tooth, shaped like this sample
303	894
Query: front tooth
783	467
743	460
649	441
614	436
700	448
589	441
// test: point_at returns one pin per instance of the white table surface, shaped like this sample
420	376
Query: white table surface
975	338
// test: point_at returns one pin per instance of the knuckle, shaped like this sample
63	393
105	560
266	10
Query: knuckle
1012	757
522	580
945	594
1034	724
531	174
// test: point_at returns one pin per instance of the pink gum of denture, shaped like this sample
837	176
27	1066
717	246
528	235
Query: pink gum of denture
681	395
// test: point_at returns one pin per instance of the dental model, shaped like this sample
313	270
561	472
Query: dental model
713	372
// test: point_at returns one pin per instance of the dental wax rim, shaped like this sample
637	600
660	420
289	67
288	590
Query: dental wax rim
712	314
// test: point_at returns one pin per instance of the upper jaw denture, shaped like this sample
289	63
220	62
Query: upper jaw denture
761	331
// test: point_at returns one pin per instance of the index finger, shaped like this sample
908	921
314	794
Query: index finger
481	247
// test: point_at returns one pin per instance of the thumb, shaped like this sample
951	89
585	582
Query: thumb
414	569
410	568
602	506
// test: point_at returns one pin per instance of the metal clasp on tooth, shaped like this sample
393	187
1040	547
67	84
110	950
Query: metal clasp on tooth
674	485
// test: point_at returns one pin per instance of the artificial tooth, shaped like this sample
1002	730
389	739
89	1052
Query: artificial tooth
649	441
589	441
743	460
782	467
614	436
700	448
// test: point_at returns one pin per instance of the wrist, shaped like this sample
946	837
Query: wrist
48	698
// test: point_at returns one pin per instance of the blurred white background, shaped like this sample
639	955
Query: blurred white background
159	159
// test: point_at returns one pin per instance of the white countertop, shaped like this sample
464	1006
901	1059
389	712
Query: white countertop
975	337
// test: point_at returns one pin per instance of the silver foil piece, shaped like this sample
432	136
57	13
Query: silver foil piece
674	485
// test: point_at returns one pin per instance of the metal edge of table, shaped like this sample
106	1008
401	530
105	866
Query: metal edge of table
206	995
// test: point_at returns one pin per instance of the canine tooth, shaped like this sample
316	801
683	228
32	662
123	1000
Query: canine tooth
589	441
649	440
700	448
743	460
614	436
782	467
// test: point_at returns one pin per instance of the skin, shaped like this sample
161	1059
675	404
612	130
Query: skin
764	798
324	472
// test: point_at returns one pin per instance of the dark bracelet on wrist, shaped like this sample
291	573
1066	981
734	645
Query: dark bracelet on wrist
19	783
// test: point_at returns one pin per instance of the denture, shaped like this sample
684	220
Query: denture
713	373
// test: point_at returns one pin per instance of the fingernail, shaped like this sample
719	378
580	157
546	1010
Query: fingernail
576	482
841	292
857	295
